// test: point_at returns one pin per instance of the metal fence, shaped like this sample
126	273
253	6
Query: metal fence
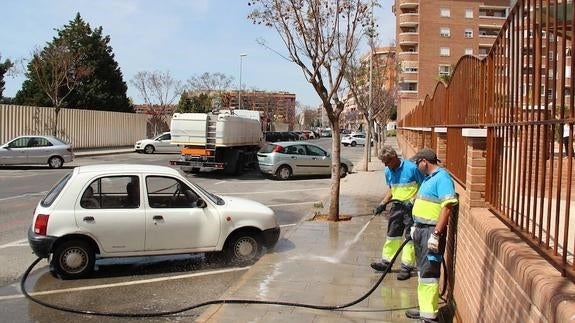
522	93
82	128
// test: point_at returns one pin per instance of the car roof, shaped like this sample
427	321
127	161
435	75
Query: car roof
126	168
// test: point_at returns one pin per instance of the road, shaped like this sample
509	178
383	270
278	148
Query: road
133	284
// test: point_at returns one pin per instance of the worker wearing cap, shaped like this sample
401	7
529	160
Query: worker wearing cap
403	179
433	205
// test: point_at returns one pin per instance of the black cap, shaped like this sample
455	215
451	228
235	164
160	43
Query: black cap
427	154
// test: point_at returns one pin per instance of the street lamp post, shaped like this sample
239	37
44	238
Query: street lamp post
240	88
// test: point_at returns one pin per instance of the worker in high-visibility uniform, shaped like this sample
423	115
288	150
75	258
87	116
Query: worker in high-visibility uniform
403	179
432	208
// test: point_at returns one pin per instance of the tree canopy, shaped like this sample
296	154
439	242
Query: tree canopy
4	68
103	89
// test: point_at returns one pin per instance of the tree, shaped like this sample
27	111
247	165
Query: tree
159	90
4	68
200	103
320	37
208	83
374	90
57	71
103	89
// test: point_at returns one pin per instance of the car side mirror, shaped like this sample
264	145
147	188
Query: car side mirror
201	203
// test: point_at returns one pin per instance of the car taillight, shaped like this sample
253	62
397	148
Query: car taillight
41	224
278	149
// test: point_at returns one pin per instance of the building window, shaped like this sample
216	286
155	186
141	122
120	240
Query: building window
444	51
468	13
408	86
444	32
444	70
410	69
468	33
469	51
445	12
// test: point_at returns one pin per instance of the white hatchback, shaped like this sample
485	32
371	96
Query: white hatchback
143	210
354	139
159	144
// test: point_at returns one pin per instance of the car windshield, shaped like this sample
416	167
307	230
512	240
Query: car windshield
213	197
55	191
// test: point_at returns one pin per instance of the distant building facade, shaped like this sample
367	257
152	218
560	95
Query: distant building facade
277	108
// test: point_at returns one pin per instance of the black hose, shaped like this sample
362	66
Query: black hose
212	302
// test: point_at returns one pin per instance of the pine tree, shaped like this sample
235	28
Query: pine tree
104	89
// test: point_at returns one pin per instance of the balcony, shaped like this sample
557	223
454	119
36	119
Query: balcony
408	56
408	39
408	19
405	4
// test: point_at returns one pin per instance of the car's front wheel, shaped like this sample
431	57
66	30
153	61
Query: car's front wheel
73	259
283	173
244	248
149	149
55	162
343	171
353	143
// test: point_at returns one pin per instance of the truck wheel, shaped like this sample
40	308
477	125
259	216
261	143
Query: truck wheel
73	259
283	173
243	248
149	149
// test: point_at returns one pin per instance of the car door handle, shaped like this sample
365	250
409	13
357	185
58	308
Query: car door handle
293	157
88	219
158	218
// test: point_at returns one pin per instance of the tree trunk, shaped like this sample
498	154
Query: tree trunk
335	180
376	139
55	128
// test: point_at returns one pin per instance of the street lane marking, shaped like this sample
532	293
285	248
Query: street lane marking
137	282
222	182
288	225
267	192
18	243
23	196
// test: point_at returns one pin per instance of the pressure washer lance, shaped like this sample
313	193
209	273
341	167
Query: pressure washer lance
212	302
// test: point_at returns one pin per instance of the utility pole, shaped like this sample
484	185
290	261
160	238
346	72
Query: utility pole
370	108
240	88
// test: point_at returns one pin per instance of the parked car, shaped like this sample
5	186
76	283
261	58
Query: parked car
354	139
113	210
325	133
286	159
160	144
25	150
309	134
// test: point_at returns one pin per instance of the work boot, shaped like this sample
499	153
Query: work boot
379	266
404	274
413	313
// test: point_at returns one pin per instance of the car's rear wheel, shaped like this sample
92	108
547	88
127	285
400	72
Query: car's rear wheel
353	143
149	149
346	145
283	173
243	248
73	259
343	171
55	162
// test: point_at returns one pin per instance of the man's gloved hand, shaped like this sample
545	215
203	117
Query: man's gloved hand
379	209
411	232
433	243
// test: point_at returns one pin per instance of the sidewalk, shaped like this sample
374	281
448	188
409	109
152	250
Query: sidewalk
325	263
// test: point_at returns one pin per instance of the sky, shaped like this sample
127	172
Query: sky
184	37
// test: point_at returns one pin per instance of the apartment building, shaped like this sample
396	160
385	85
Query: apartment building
432	35
277	108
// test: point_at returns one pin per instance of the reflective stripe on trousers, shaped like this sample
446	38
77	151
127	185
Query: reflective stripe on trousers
429	266
398	228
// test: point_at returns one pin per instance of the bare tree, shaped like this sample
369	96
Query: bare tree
320	36
58	71
380	80
216	82
159	90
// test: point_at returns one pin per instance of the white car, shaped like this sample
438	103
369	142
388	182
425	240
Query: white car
103	211
354	139
34	149
159	144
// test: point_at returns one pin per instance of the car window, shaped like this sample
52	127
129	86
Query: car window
38	142
169	192
19	143
268	148
164	137
296	150
112	192
55	191
315	151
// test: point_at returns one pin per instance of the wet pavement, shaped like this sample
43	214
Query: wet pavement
326	263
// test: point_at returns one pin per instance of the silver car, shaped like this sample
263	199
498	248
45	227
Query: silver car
36	150
286	159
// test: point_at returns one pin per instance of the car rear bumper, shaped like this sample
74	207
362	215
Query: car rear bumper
41	245
266	168
271	237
